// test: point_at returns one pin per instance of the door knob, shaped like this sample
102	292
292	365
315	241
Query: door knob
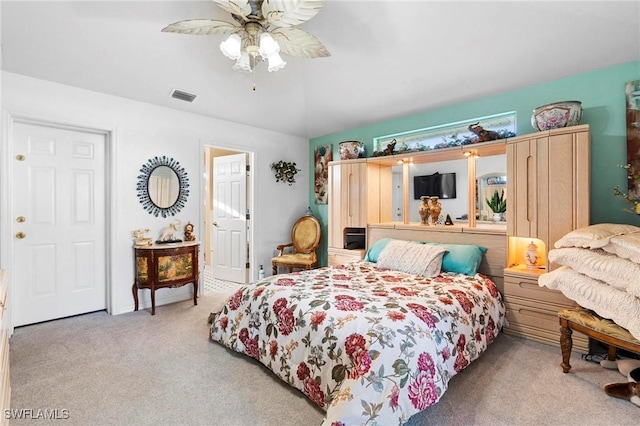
215	223
20	219
20	235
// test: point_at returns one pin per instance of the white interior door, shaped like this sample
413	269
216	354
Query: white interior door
58	223
229	218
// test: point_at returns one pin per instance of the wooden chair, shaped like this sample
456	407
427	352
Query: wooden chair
601	329
305	239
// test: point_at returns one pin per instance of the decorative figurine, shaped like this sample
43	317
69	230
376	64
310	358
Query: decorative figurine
170	233
140	239
531	256
424	210
434	210
448	221
188	232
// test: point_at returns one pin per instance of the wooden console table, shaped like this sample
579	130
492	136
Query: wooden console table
166	266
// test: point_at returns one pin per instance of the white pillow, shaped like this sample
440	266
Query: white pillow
594	236
600	265
625	246
606	301
413	258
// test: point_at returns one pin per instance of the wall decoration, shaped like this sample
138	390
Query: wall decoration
460	133
632	94
285	171
163	186
321	156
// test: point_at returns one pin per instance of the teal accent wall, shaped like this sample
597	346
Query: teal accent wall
603	101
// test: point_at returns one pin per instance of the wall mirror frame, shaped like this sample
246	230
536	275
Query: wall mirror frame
177	183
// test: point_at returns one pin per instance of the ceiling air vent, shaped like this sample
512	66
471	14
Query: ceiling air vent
183	96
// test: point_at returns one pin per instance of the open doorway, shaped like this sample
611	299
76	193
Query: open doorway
228	200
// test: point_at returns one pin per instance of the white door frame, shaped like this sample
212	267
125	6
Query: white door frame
204	145
6	195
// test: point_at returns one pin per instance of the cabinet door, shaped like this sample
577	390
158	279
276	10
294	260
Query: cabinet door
356	195
522	192
347	199
564	185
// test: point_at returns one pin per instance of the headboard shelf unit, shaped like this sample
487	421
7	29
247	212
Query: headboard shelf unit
495	240
467	153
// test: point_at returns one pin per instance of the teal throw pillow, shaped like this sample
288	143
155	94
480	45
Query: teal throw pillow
462	258
374	251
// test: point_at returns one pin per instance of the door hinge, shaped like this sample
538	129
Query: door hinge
248	265
248	216
248	168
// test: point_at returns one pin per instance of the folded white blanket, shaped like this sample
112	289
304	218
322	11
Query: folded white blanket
620	273
608	302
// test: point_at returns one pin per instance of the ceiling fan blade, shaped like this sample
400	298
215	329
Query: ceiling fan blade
201	27
296	42
235	7
286	13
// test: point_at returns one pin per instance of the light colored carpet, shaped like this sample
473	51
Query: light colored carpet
138	369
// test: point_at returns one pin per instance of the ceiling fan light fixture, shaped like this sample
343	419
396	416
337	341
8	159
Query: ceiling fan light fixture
243	64
276	63
268	46
231	47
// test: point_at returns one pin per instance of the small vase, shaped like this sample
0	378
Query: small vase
423	211
531	256
497	217
434	210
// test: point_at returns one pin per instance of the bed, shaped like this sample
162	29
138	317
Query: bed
367	344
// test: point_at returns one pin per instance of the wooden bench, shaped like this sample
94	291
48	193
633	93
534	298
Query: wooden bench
602	329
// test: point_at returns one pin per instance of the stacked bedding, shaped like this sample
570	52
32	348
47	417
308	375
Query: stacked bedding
600	271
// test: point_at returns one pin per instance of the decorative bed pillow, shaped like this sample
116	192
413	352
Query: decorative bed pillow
374	251
412	258
461	258
608	302
600	265
594	236
625	246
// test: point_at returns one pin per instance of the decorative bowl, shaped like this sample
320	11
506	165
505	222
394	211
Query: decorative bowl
556	115
350	150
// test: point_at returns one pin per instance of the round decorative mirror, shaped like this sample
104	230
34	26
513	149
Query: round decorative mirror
163	186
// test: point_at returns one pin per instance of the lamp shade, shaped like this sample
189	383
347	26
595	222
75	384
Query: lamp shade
268	46
231	47
243	63
275	62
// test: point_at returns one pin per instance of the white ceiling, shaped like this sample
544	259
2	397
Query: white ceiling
389	58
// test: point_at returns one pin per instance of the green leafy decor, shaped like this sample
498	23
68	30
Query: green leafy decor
285	171
497	203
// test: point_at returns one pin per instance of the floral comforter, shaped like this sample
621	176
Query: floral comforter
368	345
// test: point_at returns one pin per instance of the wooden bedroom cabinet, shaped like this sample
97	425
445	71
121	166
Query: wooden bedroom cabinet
5	385
548	196
165	266
338	256
548	183
355	189
532	311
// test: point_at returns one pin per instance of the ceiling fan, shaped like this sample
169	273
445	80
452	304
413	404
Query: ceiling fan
263	29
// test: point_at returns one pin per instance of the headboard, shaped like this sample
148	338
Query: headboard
495	240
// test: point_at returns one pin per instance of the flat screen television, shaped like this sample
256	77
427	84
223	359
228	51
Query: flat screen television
441	185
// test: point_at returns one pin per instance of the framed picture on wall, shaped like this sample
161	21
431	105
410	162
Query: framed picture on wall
322	154
632	94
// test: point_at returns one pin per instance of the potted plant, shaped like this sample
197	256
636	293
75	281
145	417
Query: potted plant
285	171
497	204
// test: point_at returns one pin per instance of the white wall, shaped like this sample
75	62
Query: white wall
141	131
